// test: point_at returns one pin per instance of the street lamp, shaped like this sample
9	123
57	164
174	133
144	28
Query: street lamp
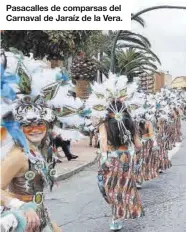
133	16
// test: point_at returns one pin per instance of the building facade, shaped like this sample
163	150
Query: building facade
168	80
146	83
179	82
154	83
159	81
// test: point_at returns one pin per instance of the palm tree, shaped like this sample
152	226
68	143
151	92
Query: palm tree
99	43
127	40
145	49
133	63
117	36
136	18
102	44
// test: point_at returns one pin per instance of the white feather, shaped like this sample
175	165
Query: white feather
62	99
74	120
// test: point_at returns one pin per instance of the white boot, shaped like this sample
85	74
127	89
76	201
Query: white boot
116	226
138	186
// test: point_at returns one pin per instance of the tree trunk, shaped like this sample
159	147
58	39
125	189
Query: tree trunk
82	89
56	63
100	73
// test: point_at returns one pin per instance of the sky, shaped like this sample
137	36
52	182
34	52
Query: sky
166	30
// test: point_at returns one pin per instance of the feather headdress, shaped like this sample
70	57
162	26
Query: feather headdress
105	98
46	82
112	89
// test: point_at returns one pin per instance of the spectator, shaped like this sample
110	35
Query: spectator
65	145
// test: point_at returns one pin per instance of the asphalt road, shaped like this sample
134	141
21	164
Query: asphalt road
77	206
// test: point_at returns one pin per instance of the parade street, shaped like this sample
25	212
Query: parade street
77	206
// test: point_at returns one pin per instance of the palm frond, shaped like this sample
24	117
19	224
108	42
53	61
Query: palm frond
133	34
142	68
133	40
139	20
123	45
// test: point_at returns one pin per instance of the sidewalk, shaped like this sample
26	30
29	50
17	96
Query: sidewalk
87	156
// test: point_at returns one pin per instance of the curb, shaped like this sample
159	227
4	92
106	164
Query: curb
75	171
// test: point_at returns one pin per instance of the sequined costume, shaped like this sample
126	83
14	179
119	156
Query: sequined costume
30	188
116	171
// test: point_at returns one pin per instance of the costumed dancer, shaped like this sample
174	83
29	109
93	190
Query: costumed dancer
118	138
147	133
147	157
163	124
136	110
25	170
179	115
